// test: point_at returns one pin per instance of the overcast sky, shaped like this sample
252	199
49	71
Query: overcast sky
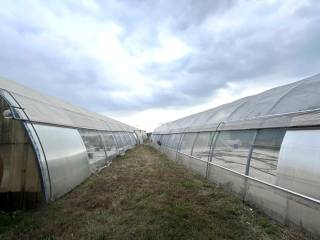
149	62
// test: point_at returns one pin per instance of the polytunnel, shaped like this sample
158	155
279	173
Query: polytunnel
263	148
48	147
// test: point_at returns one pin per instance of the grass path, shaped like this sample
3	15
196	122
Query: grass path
143	195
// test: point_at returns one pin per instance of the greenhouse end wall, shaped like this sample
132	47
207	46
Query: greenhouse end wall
48	147
40	163
20	183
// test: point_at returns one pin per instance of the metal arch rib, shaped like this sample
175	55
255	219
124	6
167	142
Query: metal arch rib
278	100
238	107
33	128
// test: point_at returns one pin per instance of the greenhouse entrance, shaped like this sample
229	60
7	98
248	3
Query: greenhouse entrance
20	186
48	147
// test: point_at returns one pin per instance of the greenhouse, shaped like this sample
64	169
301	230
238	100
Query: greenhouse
48	147
263	148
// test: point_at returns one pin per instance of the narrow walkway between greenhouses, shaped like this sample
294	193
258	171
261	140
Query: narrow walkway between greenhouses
143	195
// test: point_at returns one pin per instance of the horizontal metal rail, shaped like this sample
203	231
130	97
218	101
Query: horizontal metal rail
249	177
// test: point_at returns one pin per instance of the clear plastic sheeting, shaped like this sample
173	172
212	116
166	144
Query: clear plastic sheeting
140	136
161	138
187	143
119	142
95	149
124	140
126	136
132	139
295	104
264	158
165	140
170	140
66	158
232	149
299	162
202	145
109	144
176	141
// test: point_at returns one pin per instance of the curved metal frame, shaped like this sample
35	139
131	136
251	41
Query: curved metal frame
37	146
31	140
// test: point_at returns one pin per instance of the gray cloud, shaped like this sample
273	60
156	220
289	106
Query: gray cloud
229	41
259	47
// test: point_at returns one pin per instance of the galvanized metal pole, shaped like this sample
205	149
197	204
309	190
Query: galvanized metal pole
179	144
212	146
250	152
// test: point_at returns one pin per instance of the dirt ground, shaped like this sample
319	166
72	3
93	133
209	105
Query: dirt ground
143	195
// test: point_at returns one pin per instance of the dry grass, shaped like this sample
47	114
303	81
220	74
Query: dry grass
143	195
